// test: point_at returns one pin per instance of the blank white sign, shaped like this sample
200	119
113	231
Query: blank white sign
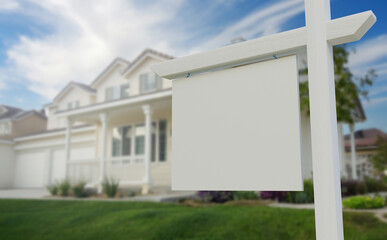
238	129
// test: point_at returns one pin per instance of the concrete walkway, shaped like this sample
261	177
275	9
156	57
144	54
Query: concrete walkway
379	213
37	193
45	195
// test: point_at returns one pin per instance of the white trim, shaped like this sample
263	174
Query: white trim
148	54
59	142
342	30
53	134
6	141
107	105
106	72
67	89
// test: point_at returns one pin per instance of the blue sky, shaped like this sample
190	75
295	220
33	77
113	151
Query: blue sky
44	44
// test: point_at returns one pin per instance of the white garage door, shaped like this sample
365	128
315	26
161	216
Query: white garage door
29	170
58	164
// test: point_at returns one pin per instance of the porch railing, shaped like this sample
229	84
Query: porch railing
126	169
84	170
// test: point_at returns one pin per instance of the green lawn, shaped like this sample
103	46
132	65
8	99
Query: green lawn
41	219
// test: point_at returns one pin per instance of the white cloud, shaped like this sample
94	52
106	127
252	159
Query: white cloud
8	5
85	37
371	54
375	101
261	22
80	38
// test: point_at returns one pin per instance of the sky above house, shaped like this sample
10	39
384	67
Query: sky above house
44	44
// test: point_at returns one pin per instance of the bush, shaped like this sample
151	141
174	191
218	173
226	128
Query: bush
352	188
64	188
216	196
53	189
110	187
274	195
79	189
306	196
364	202
244	195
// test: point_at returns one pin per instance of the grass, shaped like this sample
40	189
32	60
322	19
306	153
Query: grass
44	219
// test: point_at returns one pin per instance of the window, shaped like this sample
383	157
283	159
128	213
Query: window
162	140
121	141
117	92
140	139
150	82
73	105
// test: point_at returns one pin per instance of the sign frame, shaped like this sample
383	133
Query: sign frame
318	37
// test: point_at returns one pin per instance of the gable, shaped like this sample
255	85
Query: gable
72	94
118	65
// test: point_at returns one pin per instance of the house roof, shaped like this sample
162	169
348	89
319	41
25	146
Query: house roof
8	112
71	84
15	114
116	61
365	139
143	55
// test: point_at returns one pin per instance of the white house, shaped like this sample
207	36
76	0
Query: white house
118	126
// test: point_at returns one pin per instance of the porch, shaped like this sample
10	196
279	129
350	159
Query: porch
132	142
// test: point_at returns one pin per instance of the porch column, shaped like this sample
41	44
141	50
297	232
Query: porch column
353	152
341	150
147	153
103	118
69	125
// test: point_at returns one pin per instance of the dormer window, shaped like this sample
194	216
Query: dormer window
150	82
117	92
72	105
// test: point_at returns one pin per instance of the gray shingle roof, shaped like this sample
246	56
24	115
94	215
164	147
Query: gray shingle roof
84	87
9	112
146	51
17	113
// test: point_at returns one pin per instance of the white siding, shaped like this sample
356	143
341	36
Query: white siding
134	76
6	165
58	164
114	78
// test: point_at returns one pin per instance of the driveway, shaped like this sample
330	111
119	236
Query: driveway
34	193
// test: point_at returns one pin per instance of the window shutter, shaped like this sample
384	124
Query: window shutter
159	82
143	79
124	90
108	94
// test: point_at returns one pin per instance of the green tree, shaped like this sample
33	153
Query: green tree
379	160
348	88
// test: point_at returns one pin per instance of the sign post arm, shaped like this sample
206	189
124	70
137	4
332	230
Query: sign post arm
325	154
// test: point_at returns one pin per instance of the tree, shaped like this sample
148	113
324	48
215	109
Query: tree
379	160
348	88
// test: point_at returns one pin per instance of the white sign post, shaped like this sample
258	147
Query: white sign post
239	61
325	152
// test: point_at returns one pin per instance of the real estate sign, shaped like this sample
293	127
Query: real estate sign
238	129
236	114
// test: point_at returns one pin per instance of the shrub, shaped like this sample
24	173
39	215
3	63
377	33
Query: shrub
274	195
216	196
244	195
110	186
306	196
363	202
79	189
64	188
53	189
